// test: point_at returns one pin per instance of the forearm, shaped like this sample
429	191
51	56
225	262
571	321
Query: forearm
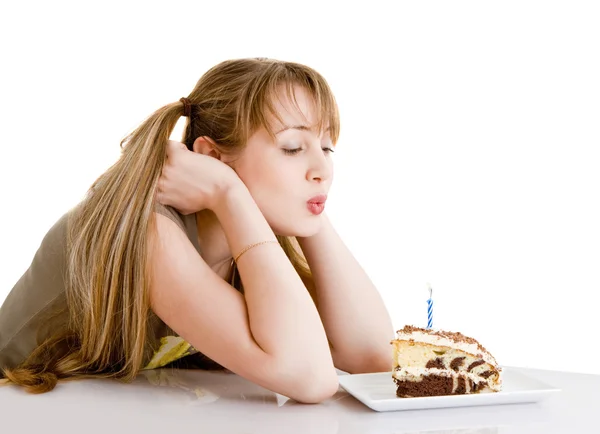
281	315
354	315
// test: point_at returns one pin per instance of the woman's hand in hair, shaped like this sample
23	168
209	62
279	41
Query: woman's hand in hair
191	181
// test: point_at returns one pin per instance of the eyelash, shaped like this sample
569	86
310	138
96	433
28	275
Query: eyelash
295	151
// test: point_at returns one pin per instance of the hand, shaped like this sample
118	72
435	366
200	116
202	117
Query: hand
191	182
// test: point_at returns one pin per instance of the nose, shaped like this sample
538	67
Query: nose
320	166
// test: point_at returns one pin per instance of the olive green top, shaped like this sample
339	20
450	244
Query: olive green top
26	314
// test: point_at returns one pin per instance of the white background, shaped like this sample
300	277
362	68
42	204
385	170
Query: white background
468	156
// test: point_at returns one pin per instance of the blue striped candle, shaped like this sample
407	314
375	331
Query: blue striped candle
430	309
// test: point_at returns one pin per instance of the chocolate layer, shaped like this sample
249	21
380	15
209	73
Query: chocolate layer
437	385
431	385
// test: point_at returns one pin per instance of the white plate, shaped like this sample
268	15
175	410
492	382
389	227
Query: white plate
378	392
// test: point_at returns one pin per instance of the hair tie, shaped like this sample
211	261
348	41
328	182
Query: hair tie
187	106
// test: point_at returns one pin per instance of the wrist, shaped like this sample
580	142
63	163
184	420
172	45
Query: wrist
241	219
228	195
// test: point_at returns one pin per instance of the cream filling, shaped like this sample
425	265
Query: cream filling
446	342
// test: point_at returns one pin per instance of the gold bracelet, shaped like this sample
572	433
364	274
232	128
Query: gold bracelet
245	249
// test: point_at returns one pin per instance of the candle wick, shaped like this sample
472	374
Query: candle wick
430	290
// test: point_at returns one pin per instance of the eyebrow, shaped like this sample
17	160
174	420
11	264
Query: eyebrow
298	127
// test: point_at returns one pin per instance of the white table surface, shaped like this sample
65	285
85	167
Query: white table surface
171	401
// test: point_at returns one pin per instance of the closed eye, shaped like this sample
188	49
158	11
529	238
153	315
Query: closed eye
295	151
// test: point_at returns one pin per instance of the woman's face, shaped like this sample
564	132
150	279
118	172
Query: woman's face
284	175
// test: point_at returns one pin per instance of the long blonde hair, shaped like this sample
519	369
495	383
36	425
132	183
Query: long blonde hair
106	280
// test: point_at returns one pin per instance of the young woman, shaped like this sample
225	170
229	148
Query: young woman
212	253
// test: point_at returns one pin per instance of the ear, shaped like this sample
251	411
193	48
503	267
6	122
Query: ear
205	145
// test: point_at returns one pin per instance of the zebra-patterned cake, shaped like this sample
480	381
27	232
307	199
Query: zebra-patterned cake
435	362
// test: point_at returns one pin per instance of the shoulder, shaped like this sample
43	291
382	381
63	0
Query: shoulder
187	223
171	213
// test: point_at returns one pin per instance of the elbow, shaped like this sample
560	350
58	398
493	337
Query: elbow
309	384
316	389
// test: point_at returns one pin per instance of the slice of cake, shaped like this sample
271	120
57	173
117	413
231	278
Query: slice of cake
434	362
